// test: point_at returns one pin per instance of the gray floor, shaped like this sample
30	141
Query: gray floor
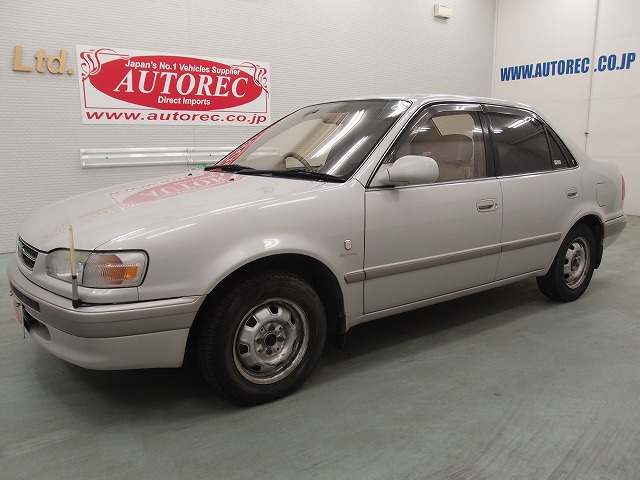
499	385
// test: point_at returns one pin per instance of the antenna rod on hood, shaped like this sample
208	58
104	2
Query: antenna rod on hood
75	298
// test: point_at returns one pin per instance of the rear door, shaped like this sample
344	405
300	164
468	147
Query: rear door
541	190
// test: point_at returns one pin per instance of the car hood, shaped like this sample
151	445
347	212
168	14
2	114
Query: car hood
101	216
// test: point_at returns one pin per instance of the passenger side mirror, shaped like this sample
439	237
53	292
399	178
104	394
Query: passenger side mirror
407	170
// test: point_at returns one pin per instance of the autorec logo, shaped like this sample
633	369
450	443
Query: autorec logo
612	62
127	86
176	117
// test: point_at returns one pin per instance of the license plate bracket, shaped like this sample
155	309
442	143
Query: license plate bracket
19	314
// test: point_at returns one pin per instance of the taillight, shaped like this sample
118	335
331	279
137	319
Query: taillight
624	189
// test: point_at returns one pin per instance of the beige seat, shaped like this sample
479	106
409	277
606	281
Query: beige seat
453	153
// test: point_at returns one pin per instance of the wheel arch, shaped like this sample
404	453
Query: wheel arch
318	275
595	224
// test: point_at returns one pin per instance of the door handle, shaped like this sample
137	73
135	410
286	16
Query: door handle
487	205
573	192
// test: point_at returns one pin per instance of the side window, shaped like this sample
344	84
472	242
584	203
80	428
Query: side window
453	139
560	157
521	142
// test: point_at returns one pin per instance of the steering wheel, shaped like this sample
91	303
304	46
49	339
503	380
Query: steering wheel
298	157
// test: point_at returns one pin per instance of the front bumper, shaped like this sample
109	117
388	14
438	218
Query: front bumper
105	337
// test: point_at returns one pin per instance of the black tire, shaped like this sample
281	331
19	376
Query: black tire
261	339
573	266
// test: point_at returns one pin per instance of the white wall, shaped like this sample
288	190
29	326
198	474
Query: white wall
316	51
603	103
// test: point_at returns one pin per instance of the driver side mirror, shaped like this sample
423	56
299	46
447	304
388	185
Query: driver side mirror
407	170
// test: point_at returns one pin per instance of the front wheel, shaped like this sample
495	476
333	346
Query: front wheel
262	338
572	268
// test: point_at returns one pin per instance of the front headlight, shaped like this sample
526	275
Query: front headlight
99	269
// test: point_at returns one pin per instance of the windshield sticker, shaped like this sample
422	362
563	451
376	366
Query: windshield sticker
152	192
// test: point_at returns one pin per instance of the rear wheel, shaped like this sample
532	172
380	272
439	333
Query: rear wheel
262	338
572	268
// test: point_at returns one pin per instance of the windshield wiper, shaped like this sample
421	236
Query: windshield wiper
289	173
297	173
232	167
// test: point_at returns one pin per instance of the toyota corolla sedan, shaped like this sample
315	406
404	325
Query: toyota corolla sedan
338	214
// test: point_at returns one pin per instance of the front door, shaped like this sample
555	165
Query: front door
424	241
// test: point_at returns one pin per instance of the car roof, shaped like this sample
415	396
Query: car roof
422	99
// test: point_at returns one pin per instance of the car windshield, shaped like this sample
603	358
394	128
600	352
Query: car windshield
319	142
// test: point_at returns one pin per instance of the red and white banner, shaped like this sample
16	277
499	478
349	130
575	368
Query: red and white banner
130	86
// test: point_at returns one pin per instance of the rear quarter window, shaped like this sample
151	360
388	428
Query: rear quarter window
560	155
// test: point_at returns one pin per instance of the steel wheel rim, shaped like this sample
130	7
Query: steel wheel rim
577	259
270	341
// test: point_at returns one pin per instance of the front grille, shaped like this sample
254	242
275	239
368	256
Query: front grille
27	254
